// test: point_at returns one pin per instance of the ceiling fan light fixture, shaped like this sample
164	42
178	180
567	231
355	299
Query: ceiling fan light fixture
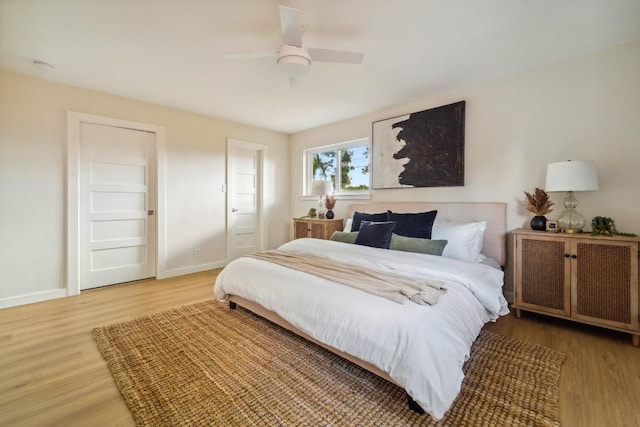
294	61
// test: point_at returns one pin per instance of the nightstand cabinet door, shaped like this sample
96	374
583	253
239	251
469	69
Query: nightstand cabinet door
300	229
606	283
315	228
544	277
318	230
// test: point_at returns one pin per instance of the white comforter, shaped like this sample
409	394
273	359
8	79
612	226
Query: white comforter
422	348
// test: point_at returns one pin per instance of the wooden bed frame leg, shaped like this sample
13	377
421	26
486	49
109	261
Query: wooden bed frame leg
232	305
414	406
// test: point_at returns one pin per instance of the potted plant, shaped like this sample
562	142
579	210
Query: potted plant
538	203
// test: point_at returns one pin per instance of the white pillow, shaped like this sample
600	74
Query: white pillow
464	239
347	225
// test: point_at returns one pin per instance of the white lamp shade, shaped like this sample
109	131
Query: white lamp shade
320	188
572	175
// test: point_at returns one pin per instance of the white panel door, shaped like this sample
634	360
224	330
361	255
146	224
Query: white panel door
117	203
245	198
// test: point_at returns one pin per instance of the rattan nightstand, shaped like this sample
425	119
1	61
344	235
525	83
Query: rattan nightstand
317	228
588	279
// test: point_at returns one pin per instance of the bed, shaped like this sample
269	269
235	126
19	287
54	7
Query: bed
421	348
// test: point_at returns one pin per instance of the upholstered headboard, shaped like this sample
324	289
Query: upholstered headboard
495	214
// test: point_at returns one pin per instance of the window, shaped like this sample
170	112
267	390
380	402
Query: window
350	158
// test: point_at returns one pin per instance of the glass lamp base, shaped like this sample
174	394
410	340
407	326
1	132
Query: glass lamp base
571	221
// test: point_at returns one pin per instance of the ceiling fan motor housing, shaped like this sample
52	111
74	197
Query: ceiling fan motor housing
294	61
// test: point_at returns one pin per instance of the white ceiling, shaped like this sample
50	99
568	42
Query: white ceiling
170	52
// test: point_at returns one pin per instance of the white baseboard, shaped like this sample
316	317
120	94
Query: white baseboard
31	298
60	293
191	269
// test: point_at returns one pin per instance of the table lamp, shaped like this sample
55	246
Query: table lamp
570	176
321	188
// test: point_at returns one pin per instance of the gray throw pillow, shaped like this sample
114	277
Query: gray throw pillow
344	236
414	244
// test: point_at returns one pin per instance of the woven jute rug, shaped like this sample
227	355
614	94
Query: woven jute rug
207	365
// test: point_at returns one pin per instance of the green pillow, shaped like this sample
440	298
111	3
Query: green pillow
344	236
414	244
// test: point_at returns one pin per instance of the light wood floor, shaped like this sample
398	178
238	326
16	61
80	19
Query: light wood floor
51	372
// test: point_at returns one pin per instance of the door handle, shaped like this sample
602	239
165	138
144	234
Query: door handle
150	212
234	210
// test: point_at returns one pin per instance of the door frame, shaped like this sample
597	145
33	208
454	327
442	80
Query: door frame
74	121
262	153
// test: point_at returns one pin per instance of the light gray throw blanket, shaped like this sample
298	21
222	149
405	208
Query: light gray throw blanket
391	286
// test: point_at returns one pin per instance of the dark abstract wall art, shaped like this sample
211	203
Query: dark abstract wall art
423	149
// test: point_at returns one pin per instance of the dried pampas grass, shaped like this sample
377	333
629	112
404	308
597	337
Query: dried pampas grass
538	202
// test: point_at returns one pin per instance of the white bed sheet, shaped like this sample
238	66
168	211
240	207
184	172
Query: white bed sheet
423	348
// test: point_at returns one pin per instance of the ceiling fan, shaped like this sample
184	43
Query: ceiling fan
294	59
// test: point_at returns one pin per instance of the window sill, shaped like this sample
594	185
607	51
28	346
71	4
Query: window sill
353	196
342	196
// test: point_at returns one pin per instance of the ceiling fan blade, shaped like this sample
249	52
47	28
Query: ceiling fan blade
290	26
252	55
341	56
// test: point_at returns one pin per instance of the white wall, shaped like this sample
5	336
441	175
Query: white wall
33	144
584	108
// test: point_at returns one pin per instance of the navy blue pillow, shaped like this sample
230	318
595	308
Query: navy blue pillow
375	234
359	216
413	224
